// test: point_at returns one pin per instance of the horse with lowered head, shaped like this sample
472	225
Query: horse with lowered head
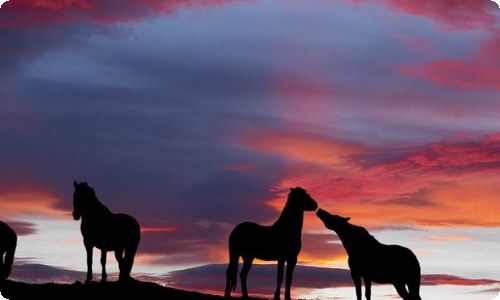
374	261
8	243
280	241
106	231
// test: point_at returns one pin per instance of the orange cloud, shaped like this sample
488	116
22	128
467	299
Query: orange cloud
158	229
300	147
452	238
441	184
29	202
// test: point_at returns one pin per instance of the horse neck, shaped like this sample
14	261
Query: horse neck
355	239
291	219
346	234
96	211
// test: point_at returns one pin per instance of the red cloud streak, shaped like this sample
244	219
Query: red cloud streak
29	13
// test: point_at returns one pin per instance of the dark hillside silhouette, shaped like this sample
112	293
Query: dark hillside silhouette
8	243
373	261
106	231
132	290
280	241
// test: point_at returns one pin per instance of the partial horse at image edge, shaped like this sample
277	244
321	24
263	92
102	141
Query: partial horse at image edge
374	261
106	231
8	244
280	242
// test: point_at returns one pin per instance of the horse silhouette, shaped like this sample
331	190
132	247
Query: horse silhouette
374	261
8	243
280	241
106	231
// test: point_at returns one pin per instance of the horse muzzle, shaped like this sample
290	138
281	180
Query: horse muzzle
76	216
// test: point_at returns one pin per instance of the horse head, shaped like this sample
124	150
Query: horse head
302	199
83	193
332	222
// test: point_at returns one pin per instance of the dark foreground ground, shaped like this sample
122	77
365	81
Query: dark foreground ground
136	290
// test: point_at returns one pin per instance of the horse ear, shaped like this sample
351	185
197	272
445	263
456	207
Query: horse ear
75	184
291	189
347	219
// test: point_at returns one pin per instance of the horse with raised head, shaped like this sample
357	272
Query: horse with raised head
280	241
374	261
8	243
106	231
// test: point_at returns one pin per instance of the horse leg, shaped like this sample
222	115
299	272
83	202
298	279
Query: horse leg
119	258
368	288
414	289
128	262
231	274
401	289
89	248
103	264
279	281
247	264
290	266
9	260
3	268
357	283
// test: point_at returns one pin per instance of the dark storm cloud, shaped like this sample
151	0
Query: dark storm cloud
170	150
156	122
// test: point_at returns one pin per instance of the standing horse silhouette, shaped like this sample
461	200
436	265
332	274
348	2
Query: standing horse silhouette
8	243
106	231
374	261
280	241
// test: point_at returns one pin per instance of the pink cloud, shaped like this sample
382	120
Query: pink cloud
442	279
462	74
457	15
28	13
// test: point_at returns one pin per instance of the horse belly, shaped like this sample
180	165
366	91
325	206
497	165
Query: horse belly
261	242
118	233
392	263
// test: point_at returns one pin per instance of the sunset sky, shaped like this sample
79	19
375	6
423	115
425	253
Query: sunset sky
196	115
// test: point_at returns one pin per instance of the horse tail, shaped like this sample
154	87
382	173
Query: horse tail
414	288
9	256
414	282
232	269
131	250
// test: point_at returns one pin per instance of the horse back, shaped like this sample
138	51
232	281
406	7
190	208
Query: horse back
385	263
263	242
118	231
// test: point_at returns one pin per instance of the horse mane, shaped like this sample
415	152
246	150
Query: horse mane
288	210
359	237
94	201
